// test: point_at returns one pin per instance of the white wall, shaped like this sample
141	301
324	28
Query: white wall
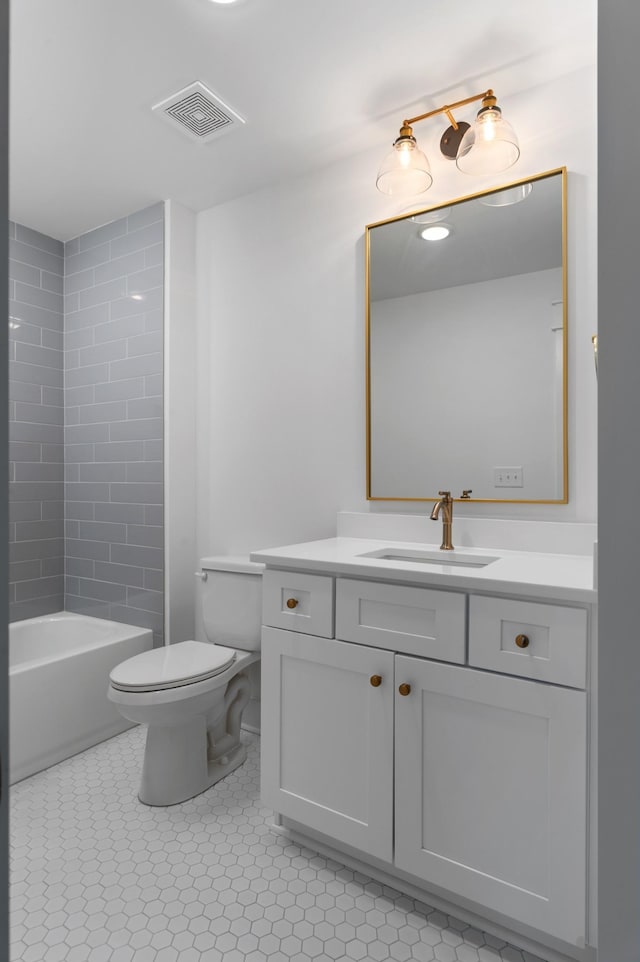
281	406
443	363
180	423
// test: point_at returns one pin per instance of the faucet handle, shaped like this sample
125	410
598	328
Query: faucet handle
466	494
445	494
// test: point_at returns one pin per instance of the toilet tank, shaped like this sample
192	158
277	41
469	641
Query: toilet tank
231	599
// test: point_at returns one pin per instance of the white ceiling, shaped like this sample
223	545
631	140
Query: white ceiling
315	81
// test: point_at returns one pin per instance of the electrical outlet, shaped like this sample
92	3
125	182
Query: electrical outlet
507	477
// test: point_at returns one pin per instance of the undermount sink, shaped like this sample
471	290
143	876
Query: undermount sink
448	558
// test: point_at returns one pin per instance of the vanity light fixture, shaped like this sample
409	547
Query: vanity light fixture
486	147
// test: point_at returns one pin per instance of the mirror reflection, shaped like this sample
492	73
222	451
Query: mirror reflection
466	348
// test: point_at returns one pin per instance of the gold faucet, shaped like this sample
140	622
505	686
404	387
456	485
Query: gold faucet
446	503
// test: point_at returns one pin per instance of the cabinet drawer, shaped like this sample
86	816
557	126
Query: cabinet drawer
299	602
555	640
415	621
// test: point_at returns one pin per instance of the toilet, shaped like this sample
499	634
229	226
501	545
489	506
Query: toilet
191	695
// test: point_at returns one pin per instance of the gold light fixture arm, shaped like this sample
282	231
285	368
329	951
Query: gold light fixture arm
451	118
487	95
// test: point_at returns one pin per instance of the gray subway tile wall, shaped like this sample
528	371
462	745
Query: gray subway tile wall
113	358
36	489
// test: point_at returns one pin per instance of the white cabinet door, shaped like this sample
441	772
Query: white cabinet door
327	737
491	792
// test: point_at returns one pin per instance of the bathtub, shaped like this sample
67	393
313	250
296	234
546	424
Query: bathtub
58	677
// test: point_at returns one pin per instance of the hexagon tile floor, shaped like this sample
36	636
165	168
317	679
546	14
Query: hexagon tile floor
99	877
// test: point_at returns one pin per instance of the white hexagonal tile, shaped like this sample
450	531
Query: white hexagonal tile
98	877
444	953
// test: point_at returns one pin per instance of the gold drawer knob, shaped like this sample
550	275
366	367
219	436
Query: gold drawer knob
522	641
404	689
376	680
292	602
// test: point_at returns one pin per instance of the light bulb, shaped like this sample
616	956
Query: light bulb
487	125
404	151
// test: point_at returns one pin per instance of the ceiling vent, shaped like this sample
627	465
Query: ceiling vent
198	113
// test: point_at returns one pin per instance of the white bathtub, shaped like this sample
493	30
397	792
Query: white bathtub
58	677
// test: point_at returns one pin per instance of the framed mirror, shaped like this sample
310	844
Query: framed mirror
466	334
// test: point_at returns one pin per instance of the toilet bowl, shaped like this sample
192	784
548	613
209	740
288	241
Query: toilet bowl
191	695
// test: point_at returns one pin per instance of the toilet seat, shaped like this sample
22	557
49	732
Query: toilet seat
173	666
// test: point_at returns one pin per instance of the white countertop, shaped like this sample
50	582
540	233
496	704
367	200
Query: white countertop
561	577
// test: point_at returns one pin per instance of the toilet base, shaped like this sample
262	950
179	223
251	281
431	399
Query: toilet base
165	790
190	753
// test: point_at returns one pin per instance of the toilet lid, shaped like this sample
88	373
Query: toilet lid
171	666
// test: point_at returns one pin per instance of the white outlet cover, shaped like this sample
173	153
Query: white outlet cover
508	477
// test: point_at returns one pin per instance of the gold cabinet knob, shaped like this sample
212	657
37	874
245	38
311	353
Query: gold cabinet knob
404	689
376	680
292	602
522	641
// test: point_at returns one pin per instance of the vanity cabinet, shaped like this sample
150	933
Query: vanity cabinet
415	737
327	737
490	791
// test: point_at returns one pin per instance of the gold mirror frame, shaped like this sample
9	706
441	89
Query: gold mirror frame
562	171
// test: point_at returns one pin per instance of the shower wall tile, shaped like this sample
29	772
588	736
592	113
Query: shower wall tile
80	510
129	513
153	514
36	429
141	429
153	580
36	550
114	361
86	259
19	391
34	239
34	373
121	390
32	256
109	471
120	574
138	240
120	266
102	234
145	217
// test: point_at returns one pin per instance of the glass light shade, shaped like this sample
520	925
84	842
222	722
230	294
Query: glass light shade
405	170
489	146
504	198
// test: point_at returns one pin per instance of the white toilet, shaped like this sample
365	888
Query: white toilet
191	695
